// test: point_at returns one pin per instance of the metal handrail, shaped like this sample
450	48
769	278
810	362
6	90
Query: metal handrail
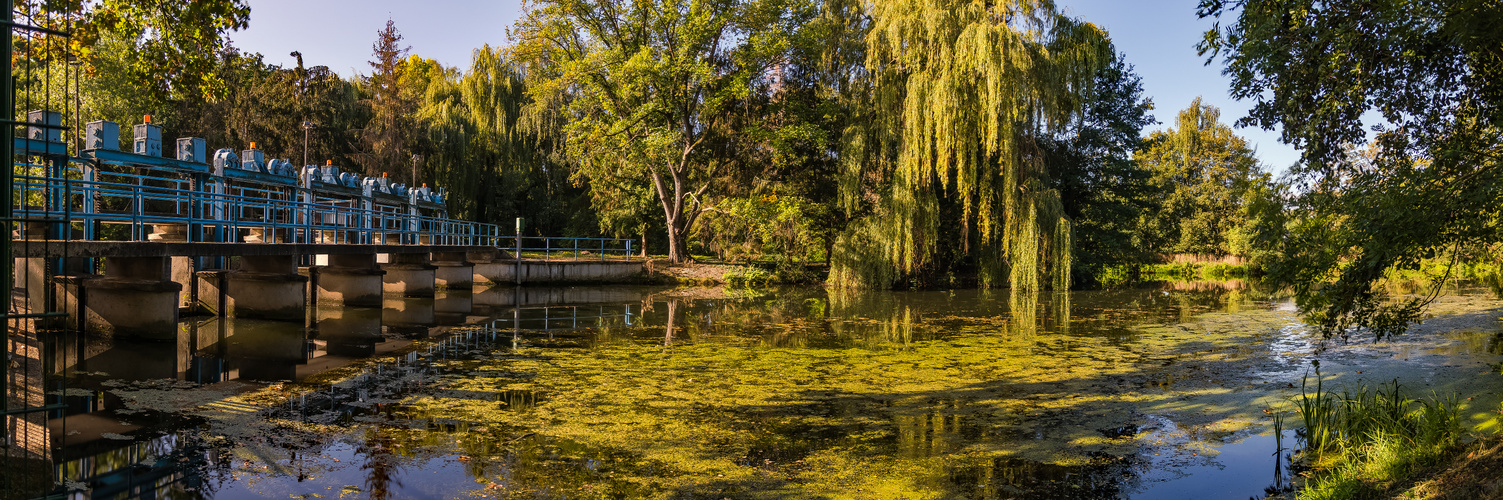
572	248
139	201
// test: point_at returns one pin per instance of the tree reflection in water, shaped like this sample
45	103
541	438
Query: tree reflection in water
383	465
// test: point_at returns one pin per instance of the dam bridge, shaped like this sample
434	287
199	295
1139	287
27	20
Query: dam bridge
124	242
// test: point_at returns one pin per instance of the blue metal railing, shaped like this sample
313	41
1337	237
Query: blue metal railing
566	248
85	202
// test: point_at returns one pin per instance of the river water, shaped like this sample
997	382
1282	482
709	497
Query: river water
1166	391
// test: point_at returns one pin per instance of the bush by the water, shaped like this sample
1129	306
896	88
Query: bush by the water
749	277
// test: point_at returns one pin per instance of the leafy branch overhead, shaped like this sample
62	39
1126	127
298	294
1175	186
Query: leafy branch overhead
174	45
1419	83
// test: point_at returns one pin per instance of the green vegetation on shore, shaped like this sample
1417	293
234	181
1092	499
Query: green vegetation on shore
1360	442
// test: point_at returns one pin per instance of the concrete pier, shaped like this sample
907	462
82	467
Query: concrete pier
351	280
454	272
135	297
409	274
183	267
263	286
145	284
484	264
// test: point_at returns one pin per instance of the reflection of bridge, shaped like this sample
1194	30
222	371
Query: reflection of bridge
209	350
561	318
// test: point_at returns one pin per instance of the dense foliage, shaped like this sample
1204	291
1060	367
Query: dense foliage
1105	191
963	91
1421	84
900	143
1202	171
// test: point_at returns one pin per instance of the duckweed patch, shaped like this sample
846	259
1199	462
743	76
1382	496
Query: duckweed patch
898	417
715	393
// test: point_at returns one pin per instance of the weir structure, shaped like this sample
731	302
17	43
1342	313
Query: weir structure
109	244
123	243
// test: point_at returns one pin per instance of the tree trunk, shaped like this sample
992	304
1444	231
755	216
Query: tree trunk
678	246
829	249
674	214
672	318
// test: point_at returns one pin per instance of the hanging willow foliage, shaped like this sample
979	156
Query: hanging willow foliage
965	86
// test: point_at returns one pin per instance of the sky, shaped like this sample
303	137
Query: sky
1158	37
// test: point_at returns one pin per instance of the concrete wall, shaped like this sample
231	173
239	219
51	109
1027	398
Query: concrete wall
558	271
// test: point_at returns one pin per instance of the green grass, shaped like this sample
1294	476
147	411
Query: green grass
1190	271
1363	441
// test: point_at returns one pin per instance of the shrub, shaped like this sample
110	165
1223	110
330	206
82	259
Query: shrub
749	277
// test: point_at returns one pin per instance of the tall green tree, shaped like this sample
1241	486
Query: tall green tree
1202	170
787	208
644	91
963	90
1431	74
128	57
1103	188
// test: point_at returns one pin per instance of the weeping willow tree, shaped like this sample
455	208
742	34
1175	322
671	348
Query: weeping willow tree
476	143
961	90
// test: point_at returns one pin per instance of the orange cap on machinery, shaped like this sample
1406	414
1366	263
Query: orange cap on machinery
383	174
146	118
328	162
253	145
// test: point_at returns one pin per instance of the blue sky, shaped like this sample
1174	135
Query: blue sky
1158	37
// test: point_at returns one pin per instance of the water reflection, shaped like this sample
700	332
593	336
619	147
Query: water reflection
702	393
115	450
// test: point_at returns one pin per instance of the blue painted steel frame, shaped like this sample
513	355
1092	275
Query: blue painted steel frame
115	187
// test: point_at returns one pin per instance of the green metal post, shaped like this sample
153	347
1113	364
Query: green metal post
7	151
6	146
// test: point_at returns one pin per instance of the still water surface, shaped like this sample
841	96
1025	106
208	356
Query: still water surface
623	392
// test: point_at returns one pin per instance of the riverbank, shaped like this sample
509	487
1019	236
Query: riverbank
710	273
1474	472
1399	454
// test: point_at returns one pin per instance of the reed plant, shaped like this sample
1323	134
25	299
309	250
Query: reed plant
1361	441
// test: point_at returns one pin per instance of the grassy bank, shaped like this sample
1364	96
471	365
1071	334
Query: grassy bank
1372	442
1195	270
